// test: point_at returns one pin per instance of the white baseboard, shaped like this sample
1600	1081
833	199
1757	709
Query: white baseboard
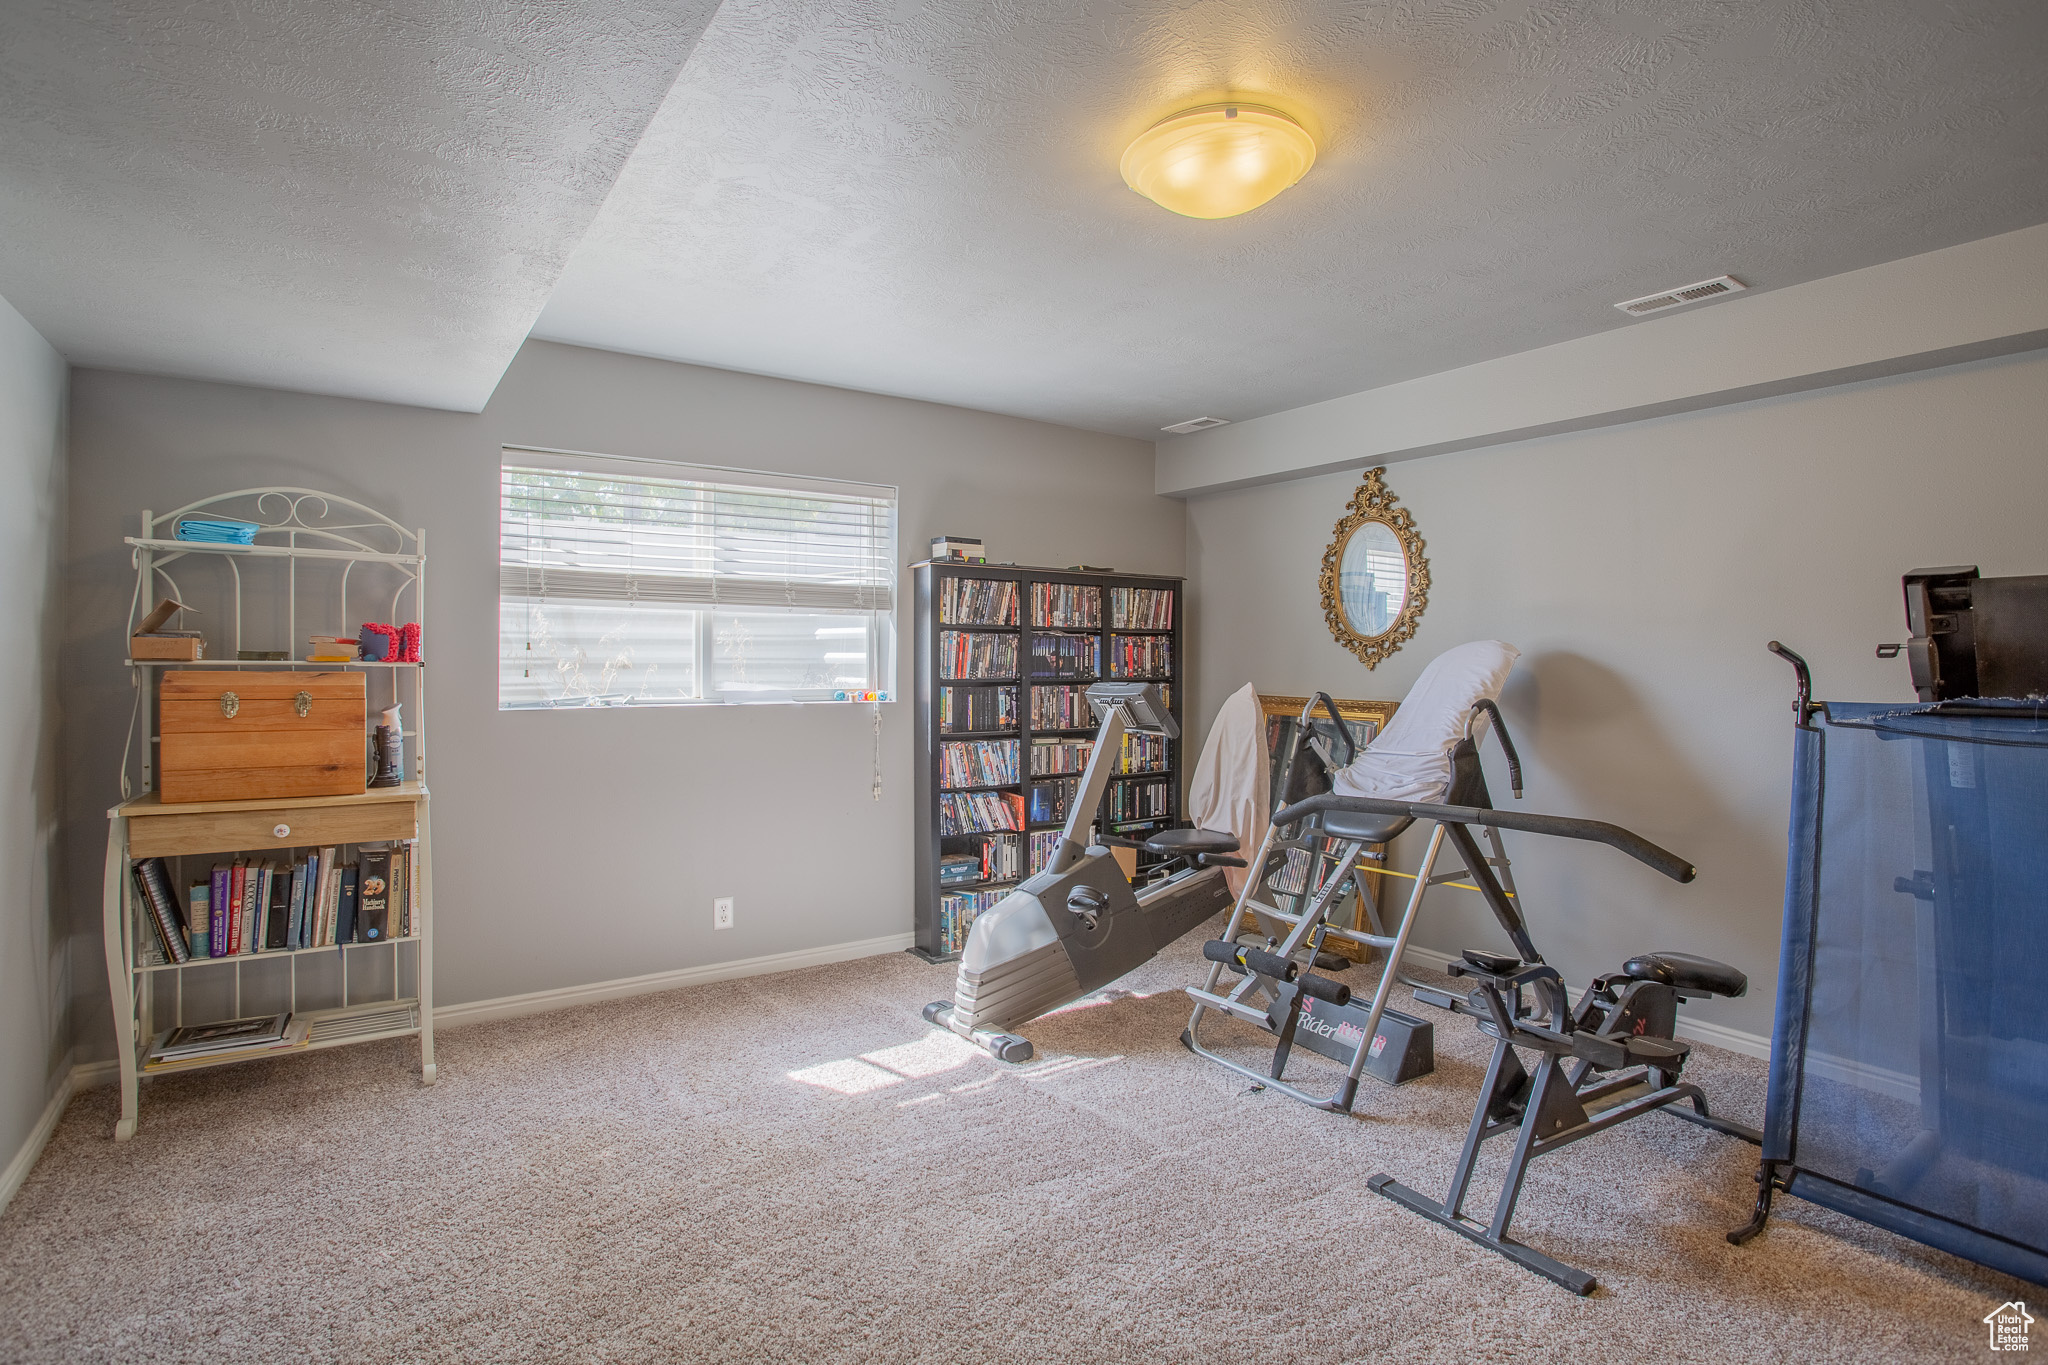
79	1078
89	1074
540	1002
86	1075
1694	1030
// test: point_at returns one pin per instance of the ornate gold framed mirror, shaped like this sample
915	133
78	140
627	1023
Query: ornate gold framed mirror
1375	581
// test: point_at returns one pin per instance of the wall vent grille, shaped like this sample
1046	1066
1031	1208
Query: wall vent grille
1678	298
1196	424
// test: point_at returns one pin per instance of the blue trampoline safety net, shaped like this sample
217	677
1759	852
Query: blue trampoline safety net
1923	1078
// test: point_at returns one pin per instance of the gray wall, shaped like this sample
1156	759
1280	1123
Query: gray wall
578	847
1641	569
35	1039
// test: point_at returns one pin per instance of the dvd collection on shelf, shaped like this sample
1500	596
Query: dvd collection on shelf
979	812
1049	800
958	910
1142	751
1061	708
1065	656
1140	656
1132	803
988	810
318	898
1066	606
1052	756
979	762
1140	609
985	858
966	654
977	708
977	602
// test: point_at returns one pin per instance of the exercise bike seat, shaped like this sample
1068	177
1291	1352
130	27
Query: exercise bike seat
1367	827
1189	841
1684	972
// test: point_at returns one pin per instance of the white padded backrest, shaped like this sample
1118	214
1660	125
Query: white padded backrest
1411	759
1229	789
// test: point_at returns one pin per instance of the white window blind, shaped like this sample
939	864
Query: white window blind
625	582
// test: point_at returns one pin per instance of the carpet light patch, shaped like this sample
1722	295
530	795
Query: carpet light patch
849	1076
1065	1066
1108	996
938	1052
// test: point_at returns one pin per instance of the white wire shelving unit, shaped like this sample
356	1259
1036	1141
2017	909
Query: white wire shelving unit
308	548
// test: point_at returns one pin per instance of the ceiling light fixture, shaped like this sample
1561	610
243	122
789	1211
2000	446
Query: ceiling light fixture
1219	160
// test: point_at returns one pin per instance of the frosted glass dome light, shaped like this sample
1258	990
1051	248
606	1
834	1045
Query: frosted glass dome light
1219	160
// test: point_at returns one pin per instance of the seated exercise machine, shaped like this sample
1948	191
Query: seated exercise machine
1279	990
1079	924
1608	1058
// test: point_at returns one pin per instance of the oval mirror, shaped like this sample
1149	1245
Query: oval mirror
1372	579
1375	579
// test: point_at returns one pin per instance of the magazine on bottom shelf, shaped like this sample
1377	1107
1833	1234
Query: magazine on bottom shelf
197	1043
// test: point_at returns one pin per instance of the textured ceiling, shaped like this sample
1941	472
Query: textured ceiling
334	195
922	198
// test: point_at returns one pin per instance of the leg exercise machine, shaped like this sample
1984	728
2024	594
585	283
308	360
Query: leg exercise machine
1079	924
1279	990
1608	1058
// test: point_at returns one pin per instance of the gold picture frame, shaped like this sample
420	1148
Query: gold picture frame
1289	708
1375	505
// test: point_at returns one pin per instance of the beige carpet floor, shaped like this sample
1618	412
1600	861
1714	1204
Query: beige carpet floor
797	1168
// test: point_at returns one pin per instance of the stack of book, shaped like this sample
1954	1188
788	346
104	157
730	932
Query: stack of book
1140	609
976	812
959	869
1044	844
977	762
1141	656
977	708
1072	606
977	602
1065	656
200	1043
256	905
963	654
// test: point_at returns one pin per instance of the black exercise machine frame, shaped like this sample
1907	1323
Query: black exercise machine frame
1556	1107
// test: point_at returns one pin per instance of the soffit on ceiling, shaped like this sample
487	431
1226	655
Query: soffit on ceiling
923	199
348	198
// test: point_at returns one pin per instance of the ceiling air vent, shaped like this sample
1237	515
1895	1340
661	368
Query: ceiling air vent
1678	298
1204	423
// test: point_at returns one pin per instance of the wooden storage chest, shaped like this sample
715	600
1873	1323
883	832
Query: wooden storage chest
239	736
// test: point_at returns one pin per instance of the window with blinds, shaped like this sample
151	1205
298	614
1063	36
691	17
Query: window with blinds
644	583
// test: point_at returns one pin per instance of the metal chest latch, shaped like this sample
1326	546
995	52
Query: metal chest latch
303	704
229	704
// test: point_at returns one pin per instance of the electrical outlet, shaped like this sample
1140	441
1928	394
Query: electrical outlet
721	913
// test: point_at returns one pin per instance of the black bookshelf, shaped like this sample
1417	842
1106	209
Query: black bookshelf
930	919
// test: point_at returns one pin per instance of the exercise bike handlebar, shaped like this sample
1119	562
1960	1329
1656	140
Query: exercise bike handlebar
1557	826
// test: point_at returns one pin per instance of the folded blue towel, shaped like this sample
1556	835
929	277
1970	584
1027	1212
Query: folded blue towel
217	532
